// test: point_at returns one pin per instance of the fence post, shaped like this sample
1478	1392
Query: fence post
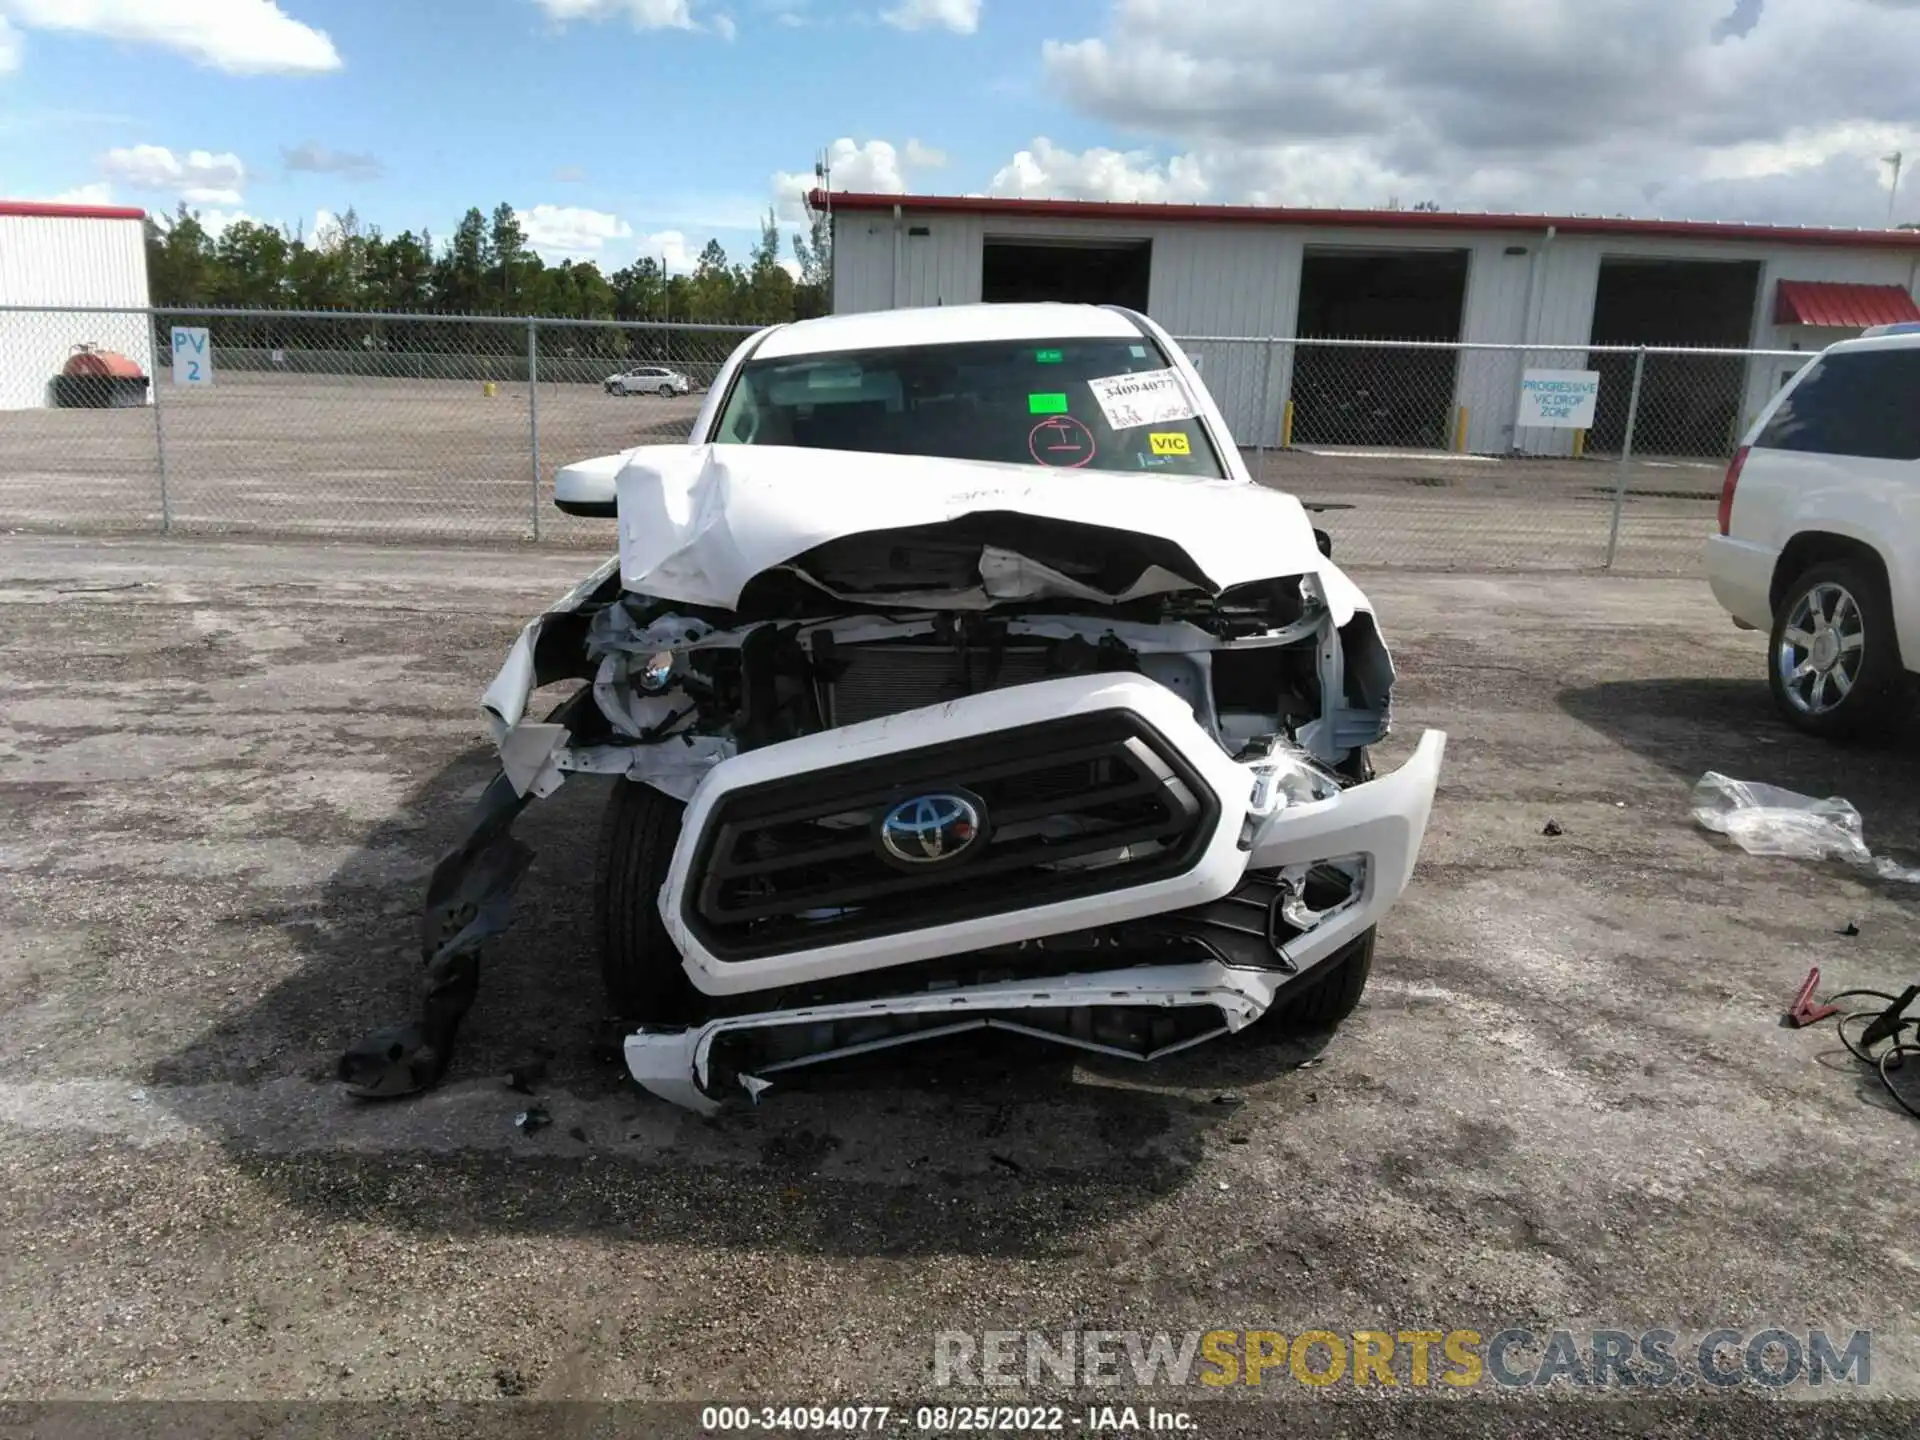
533	413
159	430
1266	384
1626	454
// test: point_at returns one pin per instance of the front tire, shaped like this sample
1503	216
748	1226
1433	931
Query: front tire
644	977
1332	997
1833	656
666	392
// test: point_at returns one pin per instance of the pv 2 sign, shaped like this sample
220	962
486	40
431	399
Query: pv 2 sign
192	356
1559	399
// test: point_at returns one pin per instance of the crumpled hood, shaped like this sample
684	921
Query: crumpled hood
697	522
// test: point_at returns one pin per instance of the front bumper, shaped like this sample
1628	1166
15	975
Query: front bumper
1372	830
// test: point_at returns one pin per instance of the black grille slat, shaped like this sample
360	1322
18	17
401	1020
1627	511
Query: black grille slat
768	878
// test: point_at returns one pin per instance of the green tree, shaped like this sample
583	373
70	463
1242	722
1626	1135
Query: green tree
639	290
249	269
486	267
180	260
814	251
511	266
460	275
715	295
399	273
770	289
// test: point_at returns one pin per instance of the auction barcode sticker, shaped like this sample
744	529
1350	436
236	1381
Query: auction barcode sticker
1148	397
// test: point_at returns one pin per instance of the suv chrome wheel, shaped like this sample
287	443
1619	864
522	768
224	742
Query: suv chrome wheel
1821	649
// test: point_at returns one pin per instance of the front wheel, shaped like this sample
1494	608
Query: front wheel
666	392
1332	996
1833	657
645	979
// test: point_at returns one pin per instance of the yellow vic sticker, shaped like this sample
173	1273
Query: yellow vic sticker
1169	443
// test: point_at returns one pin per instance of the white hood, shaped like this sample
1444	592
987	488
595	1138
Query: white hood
697	522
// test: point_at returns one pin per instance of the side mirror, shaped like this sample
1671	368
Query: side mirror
587	488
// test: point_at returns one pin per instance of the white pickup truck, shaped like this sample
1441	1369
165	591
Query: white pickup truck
958	676
1819	541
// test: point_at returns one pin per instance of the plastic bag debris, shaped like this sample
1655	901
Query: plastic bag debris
1767	820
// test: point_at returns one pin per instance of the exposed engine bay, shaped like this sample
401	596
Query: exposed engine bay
1005	766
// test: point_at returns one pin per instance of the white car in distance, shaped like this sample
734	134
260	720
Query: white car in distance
649	380
1819	542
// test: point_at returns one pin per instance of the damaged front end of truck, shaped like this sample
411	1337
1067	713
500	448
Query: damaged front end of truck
912	746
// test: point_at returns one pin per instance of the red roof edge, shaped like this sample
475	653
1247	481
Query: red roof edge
1413	220
1822	302
53	210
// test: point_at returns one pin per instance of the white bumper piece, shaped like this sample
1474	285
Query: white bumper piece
1374	829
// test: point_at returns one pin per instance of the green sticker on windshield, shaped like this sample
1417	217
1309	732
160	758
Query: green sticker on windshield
1046	404
1048	357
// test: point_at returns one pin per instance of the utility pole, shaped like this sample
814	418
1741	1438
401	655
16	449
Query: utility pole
823	172
1893	190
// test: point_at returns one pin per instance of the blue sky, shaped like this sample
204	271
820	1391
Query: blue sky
412	110
620	127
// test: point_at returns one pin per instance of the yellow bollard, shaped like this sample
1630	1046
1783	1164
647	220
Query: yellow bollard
1460	432
487	389
1286	426
1579	443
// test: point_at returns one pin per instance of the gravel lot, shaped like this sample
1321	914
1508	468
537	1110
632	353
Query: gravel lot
1565	1103
425	460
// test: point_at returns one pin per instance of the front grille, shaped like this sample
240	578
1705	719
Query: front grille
1070	808
877	680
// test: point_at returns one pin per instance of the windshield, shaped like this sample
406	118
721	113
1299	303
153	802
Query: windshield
1109	404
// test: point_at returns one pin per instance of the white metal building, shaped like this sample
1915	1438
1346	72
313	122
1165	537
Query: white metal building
1570	281
67	255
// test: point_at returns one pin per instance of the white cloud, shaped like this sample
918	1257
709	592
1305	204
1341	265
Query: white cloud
960	16
1772	112
325	234
671	249
874	167
641	14
9	47
1047	171
200	178
242	37
571	230
98	193
724	27
315	158
217	222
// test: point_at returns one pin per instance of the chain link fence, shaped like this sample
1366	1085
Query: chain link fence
1503	457
377	427
446	428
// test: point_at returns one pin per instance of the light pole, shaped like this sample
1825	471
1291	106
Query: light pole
1893	190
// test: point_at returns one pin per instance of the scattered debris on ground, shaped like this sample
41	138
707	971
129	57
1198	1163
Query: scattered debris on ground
1767	820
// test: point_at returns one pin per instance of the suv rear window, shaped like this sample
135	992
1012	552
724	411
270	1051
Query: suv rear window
1032	402
1858	402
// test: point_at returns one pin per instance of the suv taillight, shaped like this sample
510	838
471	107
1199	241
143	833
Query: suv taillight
1728	485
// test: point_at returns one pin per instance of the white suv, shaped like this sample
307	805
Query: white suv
649	380
1819	541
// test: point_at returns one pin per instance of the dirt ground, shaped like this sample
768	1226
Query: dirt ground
425	460
1566	1101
